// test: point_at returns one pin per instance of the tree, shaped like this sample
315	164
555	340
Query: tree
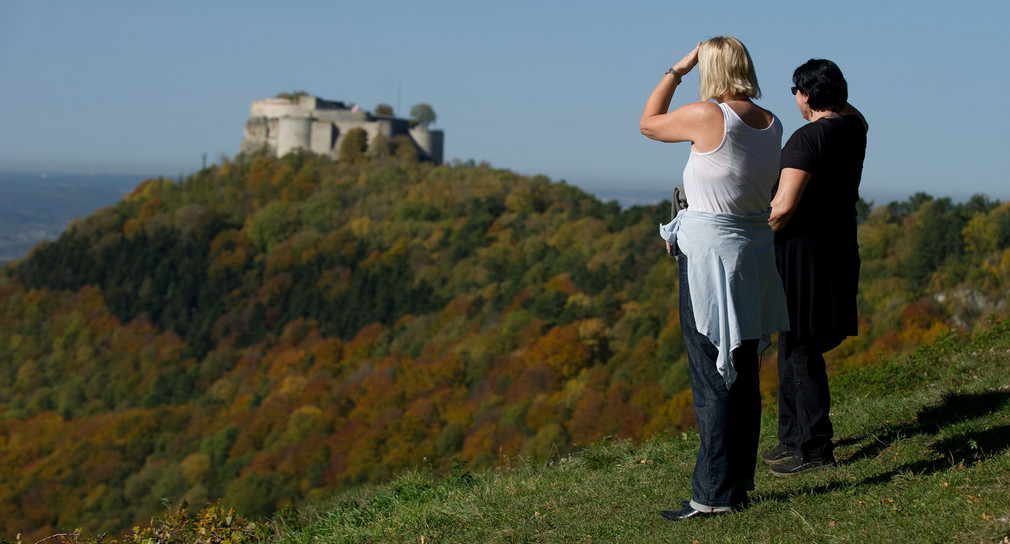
981	234
422	114
383	109
863	209
354	145
293	96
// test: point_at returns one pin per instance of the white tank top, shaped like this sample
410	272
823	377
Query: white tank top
737	177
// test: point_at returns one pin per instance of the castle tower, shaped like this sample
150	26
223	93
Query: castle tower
429	141
293	133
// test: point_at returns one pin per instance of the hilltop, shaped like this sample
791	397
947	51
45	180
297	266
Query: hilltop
270	331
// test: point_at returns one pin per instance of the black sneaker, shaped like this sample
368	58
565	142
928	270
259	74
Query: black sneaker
778	453
797	464
689	512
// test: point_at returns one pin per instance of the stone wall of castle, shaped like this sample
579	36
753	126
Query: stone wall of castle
282	125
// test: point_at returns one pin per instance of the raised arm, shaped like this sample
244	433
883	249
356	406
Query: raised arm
660	124
850	110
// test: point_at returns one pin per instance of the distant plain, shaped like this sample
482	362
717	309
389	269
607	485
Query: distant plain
36	206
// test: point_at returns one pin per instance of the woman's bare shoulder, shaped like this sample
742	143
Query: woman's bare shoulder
704	108
702	112
753	115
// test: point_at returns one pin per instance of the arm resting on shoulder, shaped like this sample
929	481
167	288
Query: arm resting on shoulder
791	184
850	110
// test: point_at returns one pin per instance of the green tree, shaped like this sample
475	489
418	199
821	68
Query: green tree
293	96
383	109
939	240
900	210
863	209
354	146
380	146
422	114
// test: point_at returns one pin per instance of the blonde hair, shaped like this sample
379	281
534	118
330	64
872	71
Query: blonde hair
726	70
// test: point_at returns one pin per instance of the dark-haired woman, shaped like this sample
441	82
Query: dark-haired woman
814	219
730	293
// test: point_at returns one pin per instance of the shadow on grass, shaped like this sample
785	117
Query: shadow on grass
952	409
952	451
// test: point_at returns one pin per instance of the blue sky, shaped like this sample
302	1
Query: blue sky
545	87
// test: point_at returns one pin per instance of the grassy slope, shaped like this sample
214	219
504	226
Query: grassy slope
923	449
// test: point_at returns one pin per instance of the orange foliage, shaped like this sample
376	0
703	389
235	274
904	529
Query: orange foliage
229	252
151	208
540	412
480	442
323	412
533	382
560	349
360	347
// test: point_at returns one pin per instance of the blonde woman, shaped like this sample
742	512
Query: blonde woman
730	293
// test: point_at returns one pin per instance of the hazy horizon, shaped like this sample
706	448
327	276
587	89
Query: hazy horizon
118	87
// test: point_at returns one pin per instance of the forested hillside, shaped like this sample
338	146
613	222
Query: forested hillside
270	330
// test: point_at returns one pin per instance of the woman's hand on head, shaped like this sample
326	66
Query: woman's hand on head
688	62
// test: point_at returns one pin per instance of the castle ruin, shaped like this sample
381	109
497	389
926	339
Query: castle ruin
282	125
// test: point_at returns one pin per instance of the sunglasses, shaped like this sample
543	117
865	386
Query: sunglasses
793	89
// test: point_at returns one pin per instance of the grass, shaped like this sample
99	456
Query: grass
923	445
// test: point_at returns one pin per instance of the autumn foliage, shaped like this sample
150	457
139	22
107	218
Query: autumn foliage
268	330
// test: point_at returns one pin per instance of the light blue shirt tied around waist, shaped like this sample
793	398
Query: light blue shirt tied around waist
735	288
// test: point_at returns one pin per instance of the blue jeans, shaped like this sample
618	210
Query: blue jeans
729	420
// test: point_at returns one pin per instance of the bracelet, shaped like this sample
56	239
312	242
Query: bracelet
676	75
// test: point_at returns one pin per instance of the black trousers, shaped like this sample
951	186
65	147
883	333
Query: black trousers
804	399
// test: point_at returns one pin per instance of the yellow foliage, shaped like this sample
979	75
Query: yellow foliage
981	235
578	234
292	386
147	188
562	282
303	421
195	467
396	253
677	413
1004	264
361	227
877	235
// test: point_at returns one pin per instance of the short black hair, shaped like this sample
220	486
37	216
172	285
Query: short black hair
822	81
